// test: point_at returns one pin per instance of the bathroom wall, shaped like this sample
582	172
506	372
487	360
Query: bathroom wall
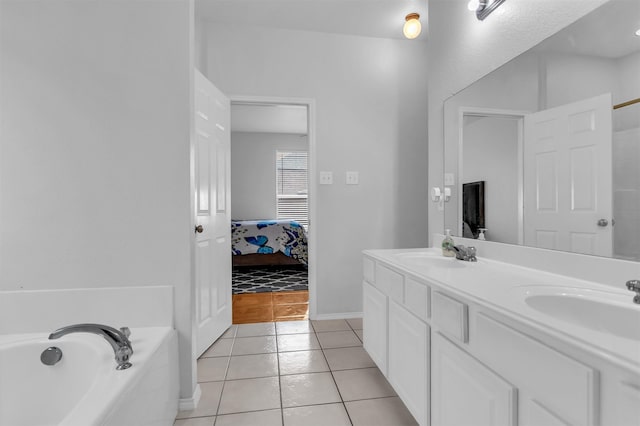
253	171
371	113
465	49
94	149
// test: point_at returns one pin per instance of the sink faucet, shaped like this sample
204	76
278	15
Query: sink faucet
118	339
467	254
634	285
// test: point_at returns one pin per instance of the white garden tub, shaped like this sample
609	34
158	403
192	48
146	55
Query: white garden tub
85	388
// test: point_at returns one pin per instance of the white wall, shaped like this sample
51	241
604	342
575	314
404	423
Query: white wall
463	49
370	117
94	144
253	172
490	154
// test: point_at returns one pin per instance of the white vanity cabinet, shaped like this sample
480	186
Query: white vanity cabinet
454	360
464	391
399	340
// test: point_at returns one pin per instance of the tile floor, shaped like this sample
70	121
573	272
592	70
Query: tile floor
293	373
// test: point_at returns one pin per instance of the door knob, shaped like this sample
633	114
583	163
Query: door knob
199	229
603	222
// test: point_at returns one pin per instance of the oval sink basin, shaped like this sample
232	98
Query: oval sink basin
602	311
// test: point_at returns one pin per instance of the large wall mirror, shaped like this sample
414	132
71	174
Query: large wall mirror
553	138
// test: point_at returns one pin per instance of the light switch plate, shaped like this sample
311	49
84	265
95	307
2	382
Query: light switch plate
352	178
326	178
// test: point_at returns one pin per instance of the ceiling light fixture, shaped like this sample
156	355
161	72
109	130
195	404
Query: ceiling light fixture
483	8
412	26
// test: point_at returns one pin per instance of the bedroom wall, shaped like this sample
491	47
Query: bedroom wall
94	149
370	117
253	171
465	49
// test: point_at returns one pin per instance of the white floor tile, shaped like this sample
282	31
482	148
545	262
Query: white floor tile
348	358
254	418
222	347
297	342
252	366
212	369
294	327
250	395
258	329
316	415
338	339
359	334
363	383
208	405
355	323
330	325
230	333
308	389
379	412
302	362
197	421
254	345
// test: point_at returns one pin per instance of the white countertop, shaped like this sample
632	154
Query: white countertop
503	287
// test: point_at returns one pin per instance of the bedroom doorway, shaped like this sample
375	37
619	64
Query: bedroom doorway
271	209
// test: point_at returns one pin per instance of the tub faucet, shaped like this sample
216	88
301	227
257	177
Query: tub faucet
634	285
118	339
467	254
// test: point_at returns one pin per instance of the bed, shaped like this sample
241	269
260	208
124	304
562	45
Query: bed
268	242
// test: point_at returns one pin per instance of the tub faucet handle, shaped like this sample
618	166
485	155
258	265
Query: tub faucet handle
634	285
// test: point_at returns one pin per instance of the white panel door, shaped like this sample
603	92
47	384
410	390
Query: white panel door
464	392
213	220
567	178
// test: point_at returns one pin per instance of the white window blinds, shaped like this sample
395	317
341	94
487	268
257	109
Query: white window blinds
291	181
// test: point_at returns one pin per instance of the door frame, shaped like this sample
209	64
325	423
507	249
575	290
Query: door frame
310	103
495	113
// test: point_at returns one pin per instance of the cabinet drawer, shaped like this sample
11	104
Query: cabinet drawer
563	387
416	298
368	268
450	316
390	283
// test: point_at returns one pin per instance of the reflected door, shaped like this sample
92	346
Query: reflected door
567	178
213	220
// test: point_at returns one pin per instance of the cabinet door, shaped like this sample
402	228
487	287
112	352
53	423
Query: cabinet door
375	325
465	392
408	360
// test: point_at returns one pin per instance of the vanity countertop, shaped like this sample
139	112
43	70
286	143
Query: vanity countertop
584	313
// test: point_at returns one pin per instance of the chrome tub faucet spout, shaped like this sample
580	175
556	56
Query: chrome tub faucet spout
118	339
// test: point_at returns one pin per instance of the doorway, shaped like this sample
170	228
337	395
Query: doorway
272	146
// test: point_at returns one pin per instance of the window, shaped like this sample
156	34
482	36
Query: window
291	181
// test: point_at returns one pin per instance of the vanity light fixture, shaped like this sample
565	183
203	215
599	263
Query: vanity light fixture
483	8
638	32
412	26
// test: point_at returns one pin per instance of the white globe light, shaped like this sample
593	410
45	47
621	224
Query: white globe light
412	26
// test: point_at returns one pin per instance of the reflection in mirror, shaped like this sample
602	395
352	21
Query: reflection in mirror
559	162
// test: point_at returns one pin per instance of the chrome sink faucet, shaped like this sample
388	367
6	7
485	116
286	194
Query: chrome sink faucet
468	254
634	285
118	339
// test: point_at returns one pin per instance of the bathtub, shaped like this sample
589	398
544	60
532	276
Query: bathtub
85	388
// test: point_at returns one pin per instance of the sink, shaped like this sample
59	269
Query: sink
603	311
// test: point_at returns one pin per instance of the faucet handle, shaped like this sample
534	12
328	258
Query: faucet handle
125	331
633	285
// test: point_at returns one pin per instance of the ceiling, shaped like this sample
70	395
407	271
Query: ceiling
369	18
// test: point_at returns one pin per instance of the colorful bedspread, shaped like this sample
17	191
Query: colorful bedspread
269	236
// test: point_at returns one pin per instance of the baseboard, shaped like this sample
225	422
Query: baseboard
347	315
188	404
